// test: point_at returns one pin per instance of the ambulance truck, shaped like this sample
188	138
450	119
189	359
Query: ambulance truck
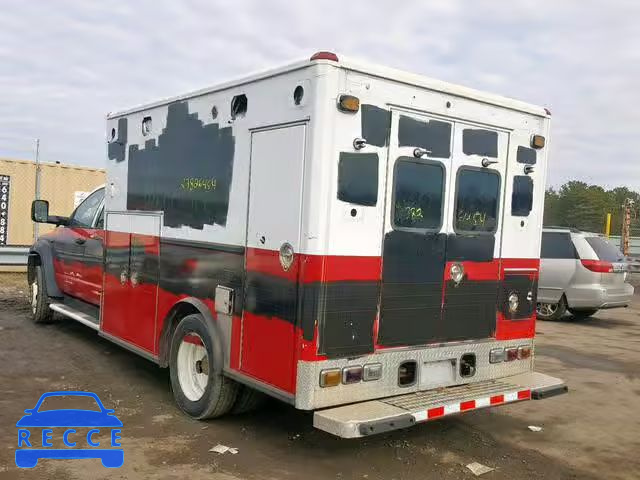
348	238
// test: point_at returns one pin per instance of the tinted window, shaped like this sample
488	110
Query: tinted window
418	190
432	135
526	155
358	178
86	211
477	201
605	250
557	245
522	196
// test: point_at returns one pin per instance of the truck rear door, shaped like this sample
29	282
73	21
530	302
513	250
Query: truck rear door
442	235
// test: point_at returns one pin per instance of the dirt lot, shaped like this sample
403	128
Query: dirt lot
593	432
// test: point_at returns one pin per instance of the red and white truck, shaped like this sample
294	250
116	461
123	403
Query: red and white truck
348	238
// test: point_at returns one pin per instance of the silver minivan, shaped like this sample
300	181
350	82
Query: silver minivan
580	272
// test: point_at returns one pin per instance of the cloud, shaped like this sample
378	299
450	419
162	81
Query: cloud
65	64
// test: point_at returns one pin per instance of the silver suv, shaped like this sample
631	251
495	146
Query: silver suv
580	272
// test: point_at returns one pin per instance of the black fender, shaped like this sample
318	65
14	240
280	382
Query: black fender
184	307
41	253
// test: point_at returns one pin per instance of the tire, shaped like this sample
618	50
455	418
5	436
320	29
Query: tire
248	400
551	311
39	299
198	390
581	314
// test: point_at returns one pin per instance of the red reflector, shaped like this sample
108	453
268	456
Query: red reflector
435	412
597	266
511	354
471	404
524	394
497	399
324	56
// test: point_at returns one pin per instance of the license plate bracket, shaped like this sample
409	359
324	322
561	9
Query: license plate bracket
437	374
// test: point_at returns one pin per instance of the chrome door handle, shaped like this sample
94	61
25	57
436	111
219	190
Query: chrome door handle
486	162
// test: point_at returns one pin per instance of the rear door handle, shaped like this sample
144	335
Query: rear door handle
80	241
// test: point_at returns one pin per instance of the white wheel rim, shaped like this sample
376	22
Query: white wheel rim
193	366
34	296
547	309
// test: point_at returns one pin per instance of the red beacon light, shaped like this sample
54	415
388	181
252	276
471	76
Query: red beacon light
324	56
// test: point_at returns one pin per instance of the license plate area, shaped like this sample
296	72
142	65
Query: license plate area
437	374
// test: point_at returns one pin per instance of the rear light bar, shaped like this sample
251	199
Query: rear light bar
332	377
597	266
499	355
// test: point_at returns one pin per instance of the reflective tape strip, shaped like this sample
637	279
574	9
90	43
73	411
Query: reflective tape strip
468	405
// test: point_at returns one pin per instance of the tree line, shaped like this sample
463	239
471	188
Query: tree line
585	207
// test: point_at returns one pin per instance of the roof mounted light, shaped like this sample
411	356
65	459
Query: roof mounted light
324	56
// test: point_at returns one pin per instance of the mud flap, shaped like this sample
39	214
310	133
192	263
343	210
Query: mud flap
377	416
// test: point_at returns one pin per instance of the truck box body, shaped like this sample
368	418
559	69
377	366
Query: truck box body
330	215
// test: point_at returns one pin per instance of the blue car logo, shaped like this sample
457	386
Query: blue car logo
32	446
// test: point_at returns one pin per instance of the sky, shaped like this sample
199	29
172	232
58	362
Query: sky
64	64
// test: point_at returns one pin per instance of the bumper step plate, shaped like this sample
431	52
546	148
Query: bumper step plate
386	414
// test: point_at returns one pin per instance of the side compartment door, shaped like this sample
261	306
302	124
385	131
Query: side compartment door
272	254
413	253
476	196
129	301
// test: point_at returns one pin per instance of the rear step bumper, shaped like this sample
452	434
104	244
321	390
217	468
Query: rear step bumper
386	414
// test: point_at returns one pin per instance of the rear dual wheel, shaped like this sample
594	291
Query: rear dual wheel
199	391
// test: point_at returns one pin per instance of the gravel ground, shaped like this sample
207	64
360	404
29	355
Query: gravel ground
590	433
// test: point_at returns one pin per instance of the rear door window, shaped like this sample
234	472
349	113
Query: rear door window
557	245
605	250
418	193
477	199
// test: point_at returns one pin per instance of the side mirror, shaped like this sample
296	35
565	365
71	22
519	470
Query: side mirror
40	211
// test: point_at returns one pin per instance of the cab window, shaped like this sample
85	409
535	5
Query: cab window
477	199
417	195
86	211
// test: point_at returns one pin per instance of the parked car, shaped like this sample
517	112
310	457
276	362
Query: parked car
580	272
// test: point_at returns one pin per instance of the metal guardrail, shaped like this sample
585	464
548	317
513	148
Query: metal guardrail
13	256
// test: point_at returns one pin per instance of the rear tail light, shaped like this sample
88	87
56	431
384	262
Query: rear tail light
352	374
511	354
496	355
407	373
372	371
524	352
597	266
330	378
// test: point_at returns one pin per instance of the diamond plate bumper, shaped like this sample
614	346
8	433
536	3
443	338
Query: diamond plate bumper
377	416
